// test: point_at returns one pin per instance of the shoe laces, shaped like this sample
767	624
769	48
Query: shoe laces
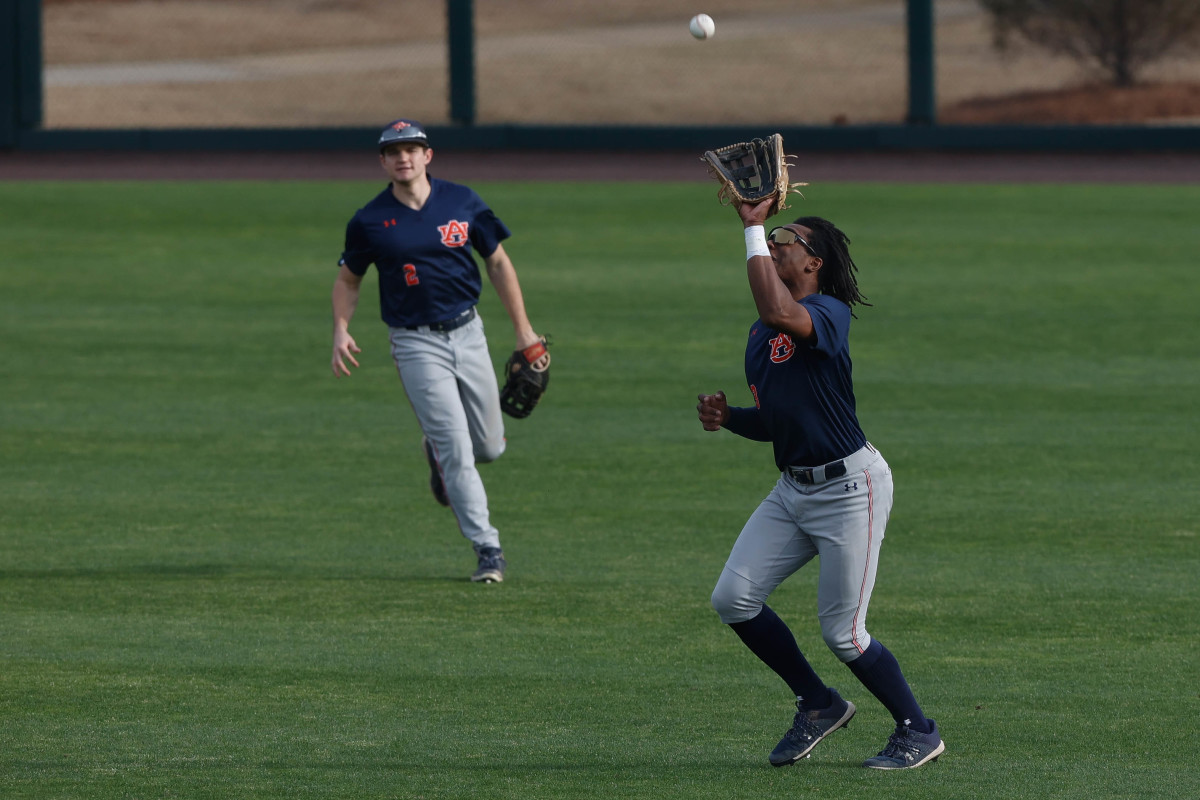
490	558
900	745
802	729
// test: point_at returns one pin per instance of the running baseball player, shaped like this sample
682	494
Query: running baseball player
833	496
420	233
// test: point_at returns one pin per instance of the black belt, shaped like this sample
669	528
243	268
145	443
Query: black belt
834	469
446	325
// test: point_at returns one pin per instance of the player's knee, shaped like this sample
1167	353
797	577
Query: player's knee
489	451
733	599
840	638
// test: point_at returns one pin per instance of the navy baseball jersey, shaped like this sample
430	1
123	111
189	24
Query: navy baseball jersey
803	394
426	269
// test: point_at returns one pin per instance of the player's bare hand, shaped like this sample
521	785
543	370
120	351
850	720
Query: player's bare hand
343	350
713	410
755	214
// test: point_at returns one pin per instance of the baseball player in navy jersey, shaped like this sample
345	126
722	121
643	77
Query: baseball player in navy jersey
834	492
420	233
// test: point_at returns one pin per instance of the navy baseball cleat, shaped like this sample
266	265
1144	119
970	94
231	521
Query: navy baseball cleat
907	748
491	565
435	475
809	727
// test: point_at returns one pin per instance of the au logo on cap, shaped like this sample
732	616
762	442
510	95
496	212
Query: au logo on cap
402	130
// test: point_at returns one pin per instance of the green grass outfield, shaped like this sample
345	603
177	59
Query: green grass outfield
222	575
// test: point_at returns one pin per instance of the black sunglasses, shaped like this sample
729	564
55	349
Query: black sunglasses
783	235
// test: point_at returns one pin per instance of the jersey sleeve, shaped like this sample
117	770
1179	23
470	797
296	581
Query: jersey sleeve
747	423
831	323
486	230
358	254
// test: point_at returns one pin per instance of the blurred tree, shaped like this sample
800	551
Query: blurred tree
1120	37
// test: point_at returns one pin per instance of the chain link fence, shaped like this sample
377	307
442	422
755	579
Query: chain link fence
116	64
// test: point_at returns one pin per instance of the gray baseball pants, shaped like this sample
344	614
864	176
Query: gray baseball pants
841	520
451	384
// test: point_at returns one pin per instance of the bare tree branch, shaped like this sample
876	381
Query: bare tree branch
1117	37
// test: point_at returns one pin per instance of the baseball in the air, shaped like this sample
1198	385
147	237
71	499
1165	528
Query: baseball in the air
702	26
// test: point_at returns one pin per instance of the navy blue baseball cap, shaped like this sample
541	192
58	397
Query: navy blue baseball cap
403	131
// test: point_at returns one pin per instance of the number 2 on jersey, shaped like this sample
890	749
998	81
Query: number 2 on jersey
410	274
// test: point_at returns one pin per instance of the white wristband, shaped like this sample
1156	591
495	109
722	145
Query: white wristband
756	242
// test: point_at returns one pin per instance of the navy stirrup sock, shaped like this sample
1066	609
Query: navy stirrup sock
769	638
879	671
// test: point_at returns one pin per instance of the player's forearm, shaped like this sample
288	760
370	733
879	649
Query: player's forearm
345	302
504	278
513	301
747	423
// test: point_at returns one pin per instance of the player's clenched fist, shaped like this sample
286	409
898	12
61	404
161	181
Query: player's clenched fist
713	410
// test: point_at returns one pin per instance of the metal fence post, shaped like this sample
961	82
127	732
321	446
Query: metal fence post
20	69
922	98
8	75
29	75
461	34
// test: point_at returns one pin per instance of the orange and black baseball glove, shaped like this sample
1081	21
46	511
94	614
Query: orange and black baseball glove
527	374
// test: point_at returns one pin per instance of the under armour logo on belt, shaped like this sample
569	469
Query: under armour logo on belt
851	487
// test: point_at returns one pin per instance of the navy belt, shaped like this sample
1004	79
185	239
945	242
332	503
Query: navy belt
834	469
446	325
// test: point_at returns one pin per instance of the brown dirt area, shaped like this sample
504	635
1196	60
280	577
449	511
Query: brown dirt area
1090	104
300	63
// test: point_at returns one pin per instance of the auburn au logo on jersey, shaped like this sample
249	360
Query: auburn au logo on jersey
454	233
782	348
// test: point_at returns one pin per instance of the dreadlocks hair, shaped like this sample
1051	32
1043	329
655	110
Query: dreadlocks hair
838	274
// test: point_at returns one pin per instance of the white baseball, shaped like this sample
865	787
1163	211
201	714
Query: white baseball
702	26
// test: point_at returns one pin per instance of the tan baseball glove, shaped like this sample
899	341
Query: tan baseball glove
750	172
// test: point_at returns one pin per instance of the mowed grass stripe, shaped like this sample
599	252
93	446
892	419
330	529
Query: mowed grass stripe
221	574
